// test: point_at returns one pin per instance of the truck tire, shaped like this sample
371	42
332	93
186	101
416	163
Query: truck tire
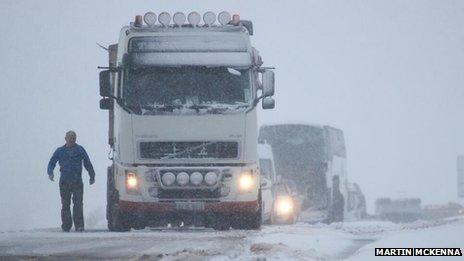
254	221
220	222
249	221
117	221
257	219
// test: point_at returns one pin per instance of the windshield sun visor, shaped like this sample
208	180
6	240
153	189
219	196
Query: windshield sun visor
188	43
217	59
189	50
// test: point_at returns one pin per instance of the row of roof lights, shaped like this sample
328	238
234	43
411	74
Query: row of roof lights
194	19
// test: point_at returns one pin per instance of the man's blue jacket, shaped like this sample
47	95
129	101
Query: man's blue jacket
71	160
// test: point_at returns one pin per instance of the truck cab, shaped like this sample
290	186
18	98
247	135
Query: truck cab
182	100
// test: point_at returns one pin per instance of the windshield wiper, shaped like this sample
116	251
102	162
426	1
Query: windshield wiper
125	107
168	107
197	107
188	149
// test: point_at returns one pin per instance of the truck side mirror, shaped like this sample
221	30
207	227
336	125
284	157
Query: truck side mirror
268	83
268	103
105	83
106	104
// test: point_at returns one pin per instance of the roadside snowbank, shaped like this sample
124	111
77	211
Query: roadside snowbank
435	234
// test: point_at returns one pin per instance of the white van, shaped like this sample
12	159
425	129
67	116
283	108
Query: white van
268	180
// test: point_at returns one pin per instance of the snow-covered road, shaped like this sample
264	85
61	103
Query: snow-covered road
302	241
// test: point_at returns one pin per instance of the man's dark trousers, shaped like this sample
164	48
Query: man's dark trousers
74	189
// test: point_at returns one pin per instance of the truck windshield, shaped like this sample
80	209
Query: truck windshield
161	90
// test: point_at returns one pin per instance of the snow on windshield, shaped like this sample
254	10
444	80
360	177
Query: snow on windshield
158	90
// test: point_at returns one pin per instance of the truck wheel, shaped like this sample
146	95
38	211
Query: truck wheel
220	222
139	224
248	221
117	221
254	221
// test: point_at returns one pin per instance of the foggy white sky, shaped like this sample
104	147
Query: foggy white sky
389	73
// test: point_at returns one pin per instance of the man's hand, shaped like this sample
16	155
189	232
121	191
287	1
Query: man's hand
51	177
91	181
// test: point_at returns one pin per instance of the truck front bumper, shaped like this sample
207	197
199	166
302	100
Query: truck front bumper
156	208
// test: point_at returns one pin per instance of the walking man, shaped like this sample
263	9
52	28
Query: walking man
70	157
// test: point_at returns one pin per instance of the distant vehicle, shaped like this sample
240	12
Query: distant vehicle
182	101
451	209
398	210
268	180
313	157
286	208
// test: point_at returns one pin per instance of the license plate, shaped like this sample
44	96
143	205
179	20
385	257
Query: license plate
191	206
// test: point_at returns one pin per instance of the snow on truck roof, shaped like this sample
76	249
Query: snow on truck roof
219	29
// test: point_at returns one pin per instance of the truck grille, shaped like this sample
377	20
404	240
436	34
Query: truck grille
186	150
188	194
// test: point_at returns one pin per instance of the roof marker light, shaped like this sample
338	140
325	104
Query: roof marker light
179	18
194	18
224	18
138	21
236	19
164	18
150	18
209	18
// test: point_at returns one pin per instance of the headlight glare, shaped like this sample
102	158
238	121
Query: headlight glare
246	181
131	180
284	206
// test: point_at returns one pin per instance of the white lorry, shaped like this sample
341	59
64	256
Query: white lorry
182	100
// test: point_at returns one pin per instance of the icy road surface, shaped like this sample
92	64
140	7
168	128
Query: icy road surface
302	241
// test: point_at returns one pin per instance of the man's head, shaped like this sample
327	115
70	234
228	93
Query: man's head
70	138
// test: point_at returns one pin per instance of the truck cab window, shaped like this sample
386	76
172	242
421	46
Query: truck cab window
266	168
160	89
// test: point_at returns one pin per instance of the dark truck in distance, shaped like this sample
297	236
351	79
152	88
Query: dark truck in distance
399	210
314	157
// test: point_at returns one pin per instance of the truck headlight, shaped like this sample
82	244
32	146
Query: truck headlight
132	181
211	178
182	178
196	178
284	206
246	181
168	178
